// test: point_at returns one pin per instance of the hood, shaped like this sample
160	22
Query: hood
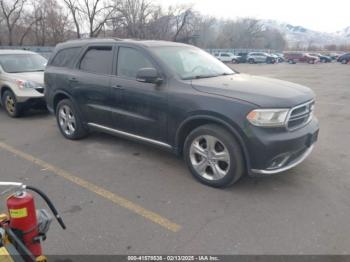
261	91
37	77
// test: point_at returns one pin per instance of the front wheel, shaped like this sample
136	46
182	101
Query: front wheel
213	156
9	102
69	120
251	61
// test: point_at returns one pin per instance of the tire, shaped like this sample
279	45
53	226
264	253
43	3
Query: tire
251	61
204	164
234	61
69	120
311	61
344	61
9	102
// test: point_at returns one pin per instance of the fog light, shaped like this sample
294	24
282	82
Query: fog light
279	161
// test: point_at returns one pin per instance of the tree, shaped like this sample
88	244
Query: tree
72	5
134	16
12	14
95	12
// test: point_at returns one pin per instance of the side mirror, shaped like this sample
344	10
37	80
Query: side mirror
148	75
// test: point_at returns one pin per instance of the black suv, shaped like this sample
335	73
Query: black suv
178	97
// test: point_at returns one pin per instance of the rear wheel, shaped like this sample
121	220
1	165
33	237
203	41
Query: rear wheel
69	120
9	102
251	61
234	61
213	156
344	61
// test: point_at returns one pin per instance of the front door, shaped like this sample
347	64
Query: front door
139	108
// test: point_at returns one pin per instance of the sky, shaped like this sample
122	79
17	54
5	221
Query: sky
320	15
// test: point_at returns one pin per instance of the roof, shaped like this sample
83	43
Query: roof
14	52
145	43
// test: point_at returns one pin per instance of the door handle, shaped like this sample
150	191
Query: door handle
73	80
117	86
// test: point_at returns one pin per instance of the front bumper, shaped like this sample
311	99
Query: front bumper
277	150
287	166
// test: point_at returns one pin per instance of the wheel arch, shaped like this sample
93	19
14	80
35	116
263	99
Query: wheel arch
3	89
191	123
59	96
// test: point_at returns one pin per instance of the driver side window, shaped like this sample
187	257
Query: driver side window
130	61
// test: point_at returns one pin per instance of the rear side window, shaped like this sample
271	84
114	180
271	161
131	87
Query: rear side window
65	57
98	60
130	61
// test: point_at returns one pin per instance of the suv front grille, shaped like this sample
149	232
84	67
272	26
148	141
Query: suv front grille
300	115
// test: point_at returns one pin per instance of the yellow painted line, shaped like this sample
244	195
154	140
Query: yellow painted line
120	201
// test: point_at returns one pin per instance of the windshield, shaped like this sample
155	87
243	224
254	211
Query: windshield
19	63
191	62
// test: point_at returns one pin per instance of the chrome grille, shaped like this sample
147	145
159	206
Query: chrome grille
300	115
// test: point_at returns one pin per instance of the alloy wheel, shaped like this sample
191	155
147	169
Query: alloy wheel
66	120
210	157
10	105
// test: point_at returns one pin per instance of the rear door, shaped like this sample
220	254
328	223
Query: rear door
92	83
139	108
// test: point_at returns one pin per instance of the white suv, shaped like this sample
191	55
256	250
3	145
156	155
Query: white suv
227	57
21	80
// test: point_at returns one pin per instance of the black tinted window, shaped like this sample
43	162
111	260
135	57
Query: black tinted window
98	60
65	57
130	61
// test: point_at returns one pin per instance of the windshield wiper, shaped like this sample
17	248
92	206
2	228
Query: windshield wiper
199	77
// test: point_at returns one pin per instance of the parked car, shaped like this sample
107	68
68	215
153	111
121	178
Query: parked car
242	57
344	59
280	57
260	57
323	58
296	57
21	81
227	57
179	97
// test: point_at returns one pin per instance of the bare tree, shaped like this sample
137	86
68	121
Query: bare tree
72	5
27	26
95	12
12	13
134	15
182	15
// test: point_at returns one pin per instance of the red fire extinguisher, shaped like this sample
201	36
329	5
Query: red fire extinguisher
23	218
27	226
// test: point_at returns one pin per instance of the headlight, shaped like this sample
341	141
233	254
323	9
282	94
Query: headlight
23	84
268	117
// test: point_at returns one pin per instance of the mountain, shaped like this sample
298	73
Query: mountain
299	36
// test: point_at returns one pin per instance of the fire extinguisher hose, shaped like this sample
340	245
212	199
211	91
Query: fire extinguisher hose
23	250
49	203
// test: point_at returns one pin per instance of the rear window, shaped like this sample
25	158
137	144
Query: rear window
65	57
98	60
